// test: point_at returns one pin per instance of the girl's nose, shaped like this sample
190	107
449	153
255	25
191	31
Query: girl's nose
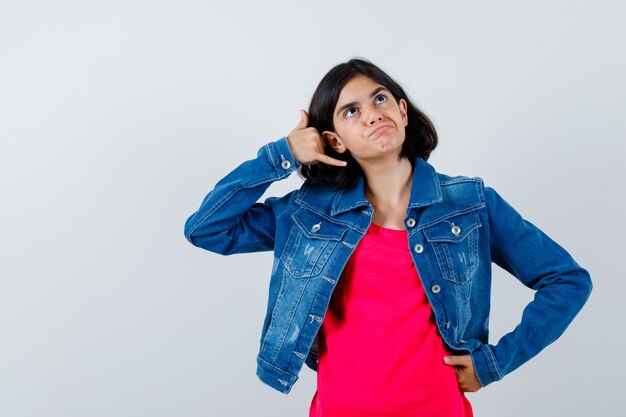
372	115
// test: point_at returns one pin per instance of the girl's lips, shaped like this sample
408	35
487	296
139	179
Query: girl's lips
380	129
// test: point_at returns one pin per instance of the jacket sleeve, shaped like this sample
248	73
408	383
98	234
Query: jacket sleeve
230	220
562	287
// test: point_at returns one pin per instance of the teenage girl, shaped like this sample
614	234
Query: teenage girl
382	269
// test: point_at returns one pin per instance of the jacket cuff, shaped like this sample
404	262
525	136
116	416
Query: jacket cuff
485	365
281	157
274	377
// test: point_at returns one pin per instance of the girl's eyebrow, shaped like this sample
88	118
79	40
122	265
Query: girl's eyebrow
352	103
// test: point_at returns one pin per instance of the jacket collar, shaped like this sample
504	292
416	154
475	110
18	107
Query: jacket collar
425	190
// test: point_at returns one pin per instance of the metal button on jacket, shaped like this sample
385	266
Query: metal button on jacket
456	230
418	248
410	222
316	227
285	164
435	288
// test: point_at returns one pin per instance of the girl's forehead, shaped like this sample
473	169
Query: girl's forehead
357	83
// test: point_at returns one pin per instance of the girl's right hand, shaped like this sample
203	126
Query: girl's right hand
307	145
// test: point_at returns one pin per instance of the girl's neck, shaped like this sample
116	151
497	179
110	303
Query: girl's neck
390	183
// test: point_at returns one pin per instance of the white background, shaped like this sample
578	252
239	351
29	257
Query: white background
117	117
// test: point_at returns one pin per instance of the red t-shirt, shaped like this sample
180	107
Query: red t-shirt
380	353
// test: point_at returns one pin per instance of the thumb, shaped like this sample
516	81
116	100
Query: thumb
454	360
304	120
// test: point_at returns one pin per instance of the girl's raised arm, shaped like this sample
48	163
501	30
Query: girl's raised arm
230	220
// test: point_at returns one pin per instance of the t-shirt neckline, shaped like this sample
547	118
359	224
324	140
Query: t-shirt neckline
381	229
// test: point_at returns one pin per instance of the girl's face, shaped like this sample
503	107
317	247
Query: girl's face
368	121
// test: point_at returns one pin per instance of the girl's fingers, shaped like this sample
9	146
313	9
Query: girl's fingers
331	161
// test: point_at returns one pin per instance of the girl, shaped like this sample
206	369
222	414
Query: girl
382	265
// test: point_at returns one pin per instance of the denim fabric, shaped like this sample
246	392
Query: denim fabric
456	227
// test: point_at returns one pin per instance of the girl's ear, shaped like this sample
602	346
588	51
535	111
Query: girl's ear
334	141
403	111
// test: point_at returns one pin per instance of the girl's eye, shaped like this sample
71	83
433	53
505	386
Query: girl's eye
383	96
348	111
349	114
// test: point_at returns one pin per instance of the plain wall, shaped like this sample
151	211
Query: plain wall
117	117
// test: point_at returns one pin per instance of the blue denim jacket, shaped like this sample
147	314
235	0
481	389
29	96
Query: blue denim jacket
456	228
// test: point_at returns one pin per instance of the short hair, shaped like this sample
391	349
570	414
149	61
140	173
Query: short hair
420	139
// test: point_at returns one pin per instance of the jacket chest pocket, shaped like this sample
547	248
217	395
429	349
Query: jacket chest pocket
311	242
455	244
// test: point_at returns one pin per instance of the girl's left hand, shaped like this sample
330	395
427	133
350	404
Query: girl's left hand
465	374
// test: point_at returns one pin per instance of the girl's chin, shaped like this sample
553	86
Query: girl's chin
387	143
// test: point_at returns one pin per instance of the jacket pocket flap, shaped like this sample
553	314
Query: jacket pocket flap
317	227
452	229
